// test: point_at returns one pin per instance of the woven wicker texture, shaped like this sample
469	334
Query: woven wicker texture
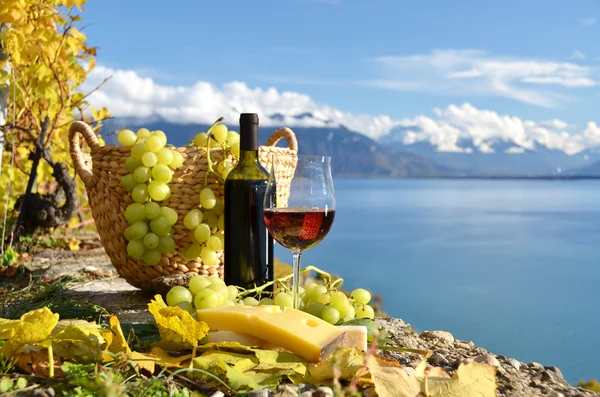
102	169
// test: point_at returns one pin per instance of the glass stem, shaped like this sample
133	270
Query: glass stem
296	278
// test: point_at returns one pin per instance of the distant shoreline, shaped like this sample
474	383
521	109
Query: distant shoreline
565	177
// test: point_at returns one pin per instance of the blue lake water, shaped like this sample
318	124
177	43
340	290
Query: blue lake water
512	265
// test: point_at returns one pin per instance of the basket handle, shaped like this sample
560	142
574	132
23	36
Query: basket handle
79	127
286	133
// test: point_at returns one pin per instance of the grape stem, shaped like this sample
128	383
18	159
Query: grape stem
208	157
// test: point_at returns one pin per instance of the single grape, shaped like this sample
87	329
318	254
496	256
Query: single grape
349	313
228	302
192	252
187	306
149	159
177	160
136	249
151	257
178	294
160	225
209	257
138	150
219	132
139	229
221	290
364	311
219	207
161	135
330	314
250	301
127	138
140	193
151	241
232	137
155	143
170	214
152	210
221	222
207	198
340	301
202	232
214	243
283	299
192	219
142	174
221	237
197	283
361	295
211	219
206	299
128	233
143	133
324	299
265	302
165	156
131	164
166	244
200	139
315	309
161	173
134	212
158	191
235	149
309	287
317	291
233	292
128	182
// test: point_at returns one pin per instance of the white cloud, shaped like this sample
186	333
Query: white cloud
477	72
127	94
456	124
589	21
577	55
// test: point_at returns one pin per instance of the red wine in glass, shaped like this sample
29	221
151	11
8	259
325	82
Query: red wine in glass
299	229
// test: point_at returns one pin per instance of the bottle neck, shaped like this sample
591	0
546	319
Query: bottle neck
248	156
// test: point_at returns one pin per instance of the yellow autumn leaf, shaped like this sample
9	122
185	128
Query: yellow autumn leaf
74	244
34	327
344	362
143	361
168	360
176	325
78	339
116	342
391	380
8	328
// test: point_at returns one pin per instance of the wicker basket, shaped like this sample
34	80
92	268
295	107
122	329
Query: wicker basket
101	173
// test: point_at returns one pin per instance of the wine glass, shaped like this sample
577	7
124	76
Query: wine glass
300	216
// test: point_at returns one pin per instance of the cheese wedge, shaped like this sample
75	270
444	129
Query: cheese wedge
299	332
355	336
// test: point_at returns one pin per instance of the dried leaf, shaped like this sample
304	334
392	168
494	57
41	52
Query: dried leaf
8	328
116	342
390	380
470	380
176	325
143	361
345	363
166	359
78	339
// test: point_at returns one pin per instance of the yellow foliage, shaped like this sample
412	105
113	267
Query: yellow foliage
49	60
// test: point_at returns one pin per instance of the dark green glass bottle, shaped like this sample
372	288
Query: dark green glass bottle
248	244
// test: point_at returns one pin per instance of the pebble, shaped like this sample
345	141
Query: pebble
535	365
555	370
218	394
323	391
306	394
443	335
438	360
516	364
462	345
302	387
555	394
287	391
487	359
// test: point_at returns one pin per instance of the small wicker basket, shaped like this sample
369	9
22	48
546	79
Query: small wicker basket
102	169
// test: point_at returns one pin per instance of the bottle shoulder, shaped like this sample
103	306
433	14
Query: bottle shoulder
249	172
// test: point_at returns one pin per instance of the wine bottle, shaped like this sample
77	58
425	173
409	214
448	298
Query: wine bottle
248	245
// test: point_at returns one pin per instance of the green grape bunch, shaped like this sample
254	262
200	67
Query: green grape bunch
150	168
324	300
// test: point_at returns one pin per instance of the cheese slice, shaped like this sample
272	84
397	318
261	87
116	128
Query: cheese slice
299	332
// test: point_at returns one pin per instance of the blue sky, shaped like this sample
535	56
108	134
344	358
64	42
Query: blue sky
530	59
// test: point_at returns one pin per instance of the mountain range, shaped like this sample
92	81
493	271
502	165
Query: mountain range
356	155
